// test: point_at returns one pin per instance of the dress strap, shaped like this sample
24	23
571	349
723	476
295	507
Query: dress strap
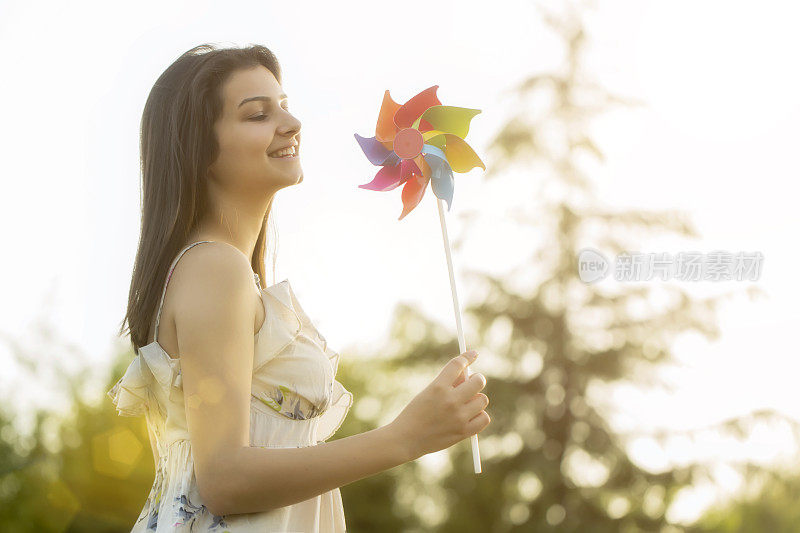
169	275
164	290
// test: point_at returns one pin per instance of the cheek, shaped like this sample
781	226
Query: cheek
246	139
242	151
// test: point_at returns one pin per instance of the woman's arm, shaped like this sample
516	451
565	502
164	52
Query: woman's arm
260	479
215	319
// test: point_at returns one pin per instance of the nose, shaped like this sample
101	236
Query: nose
291	127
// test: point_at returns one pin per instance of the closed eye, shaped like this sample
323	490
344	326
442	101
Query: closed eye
263	117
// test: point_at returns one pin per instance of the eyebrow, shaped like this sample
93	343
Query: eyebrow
264	98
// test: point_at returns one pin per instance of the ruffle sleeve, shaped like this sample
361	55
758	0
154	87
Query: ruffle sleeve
341	399
286	322
333	417
132	393
282	323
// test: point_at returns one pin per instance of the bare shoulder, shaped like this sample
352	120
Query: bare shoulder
209	259
212	281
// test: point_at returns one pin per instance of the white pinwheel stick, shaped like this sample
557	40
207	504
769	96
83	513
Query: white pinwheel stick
462	345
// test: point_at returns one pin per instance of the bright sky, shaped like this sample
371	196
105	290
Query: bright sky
716	139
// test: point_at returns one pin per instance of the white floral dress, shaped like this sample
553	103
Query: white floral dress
296	401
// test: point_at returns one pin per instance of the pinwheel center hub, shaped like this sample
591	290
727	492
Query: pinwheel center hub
408	143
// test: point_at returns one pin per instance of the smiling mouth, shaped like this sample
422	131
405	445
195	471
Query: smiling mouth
286	153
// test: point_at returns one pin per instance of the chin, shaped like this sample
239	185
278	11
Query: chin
294	180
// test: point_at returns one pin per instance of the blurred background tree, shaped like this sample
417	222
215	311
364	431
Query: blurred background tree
81	467
551	460
769	503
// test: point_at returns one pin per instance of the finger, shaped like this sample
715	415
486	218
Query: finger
464	375
470	387
478	424
477	404
456	366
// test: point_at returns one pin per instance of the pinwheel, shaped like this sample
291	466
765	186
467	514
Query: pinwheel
415	143
418	142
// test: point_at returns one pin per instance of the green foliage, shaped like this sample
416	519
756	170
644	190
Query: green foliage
96	478
773	508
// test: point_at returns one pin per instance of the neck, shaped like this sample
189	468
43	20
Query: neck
236	222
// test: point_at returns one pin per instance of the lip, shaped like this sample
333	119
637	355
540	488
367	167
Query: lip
290	158
290	145
287	158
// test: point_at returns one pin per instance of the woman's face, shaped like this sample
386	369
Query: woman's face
255	122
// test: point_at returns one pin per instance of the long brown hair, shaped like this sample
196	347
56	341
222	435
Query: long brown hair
177	146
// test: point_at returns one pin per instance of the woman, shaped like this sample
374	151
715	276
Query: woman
237	386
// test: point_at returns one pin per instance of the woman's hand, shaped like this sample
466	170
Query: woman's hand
448	410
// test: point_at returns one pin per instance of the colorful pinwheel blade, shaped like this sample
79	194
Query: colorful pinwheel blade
386	128
421	164
441	174
416	106
408	167
434	137
387	178
392	160
412	194
449	119
460	155
432	134
422	125
373	149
